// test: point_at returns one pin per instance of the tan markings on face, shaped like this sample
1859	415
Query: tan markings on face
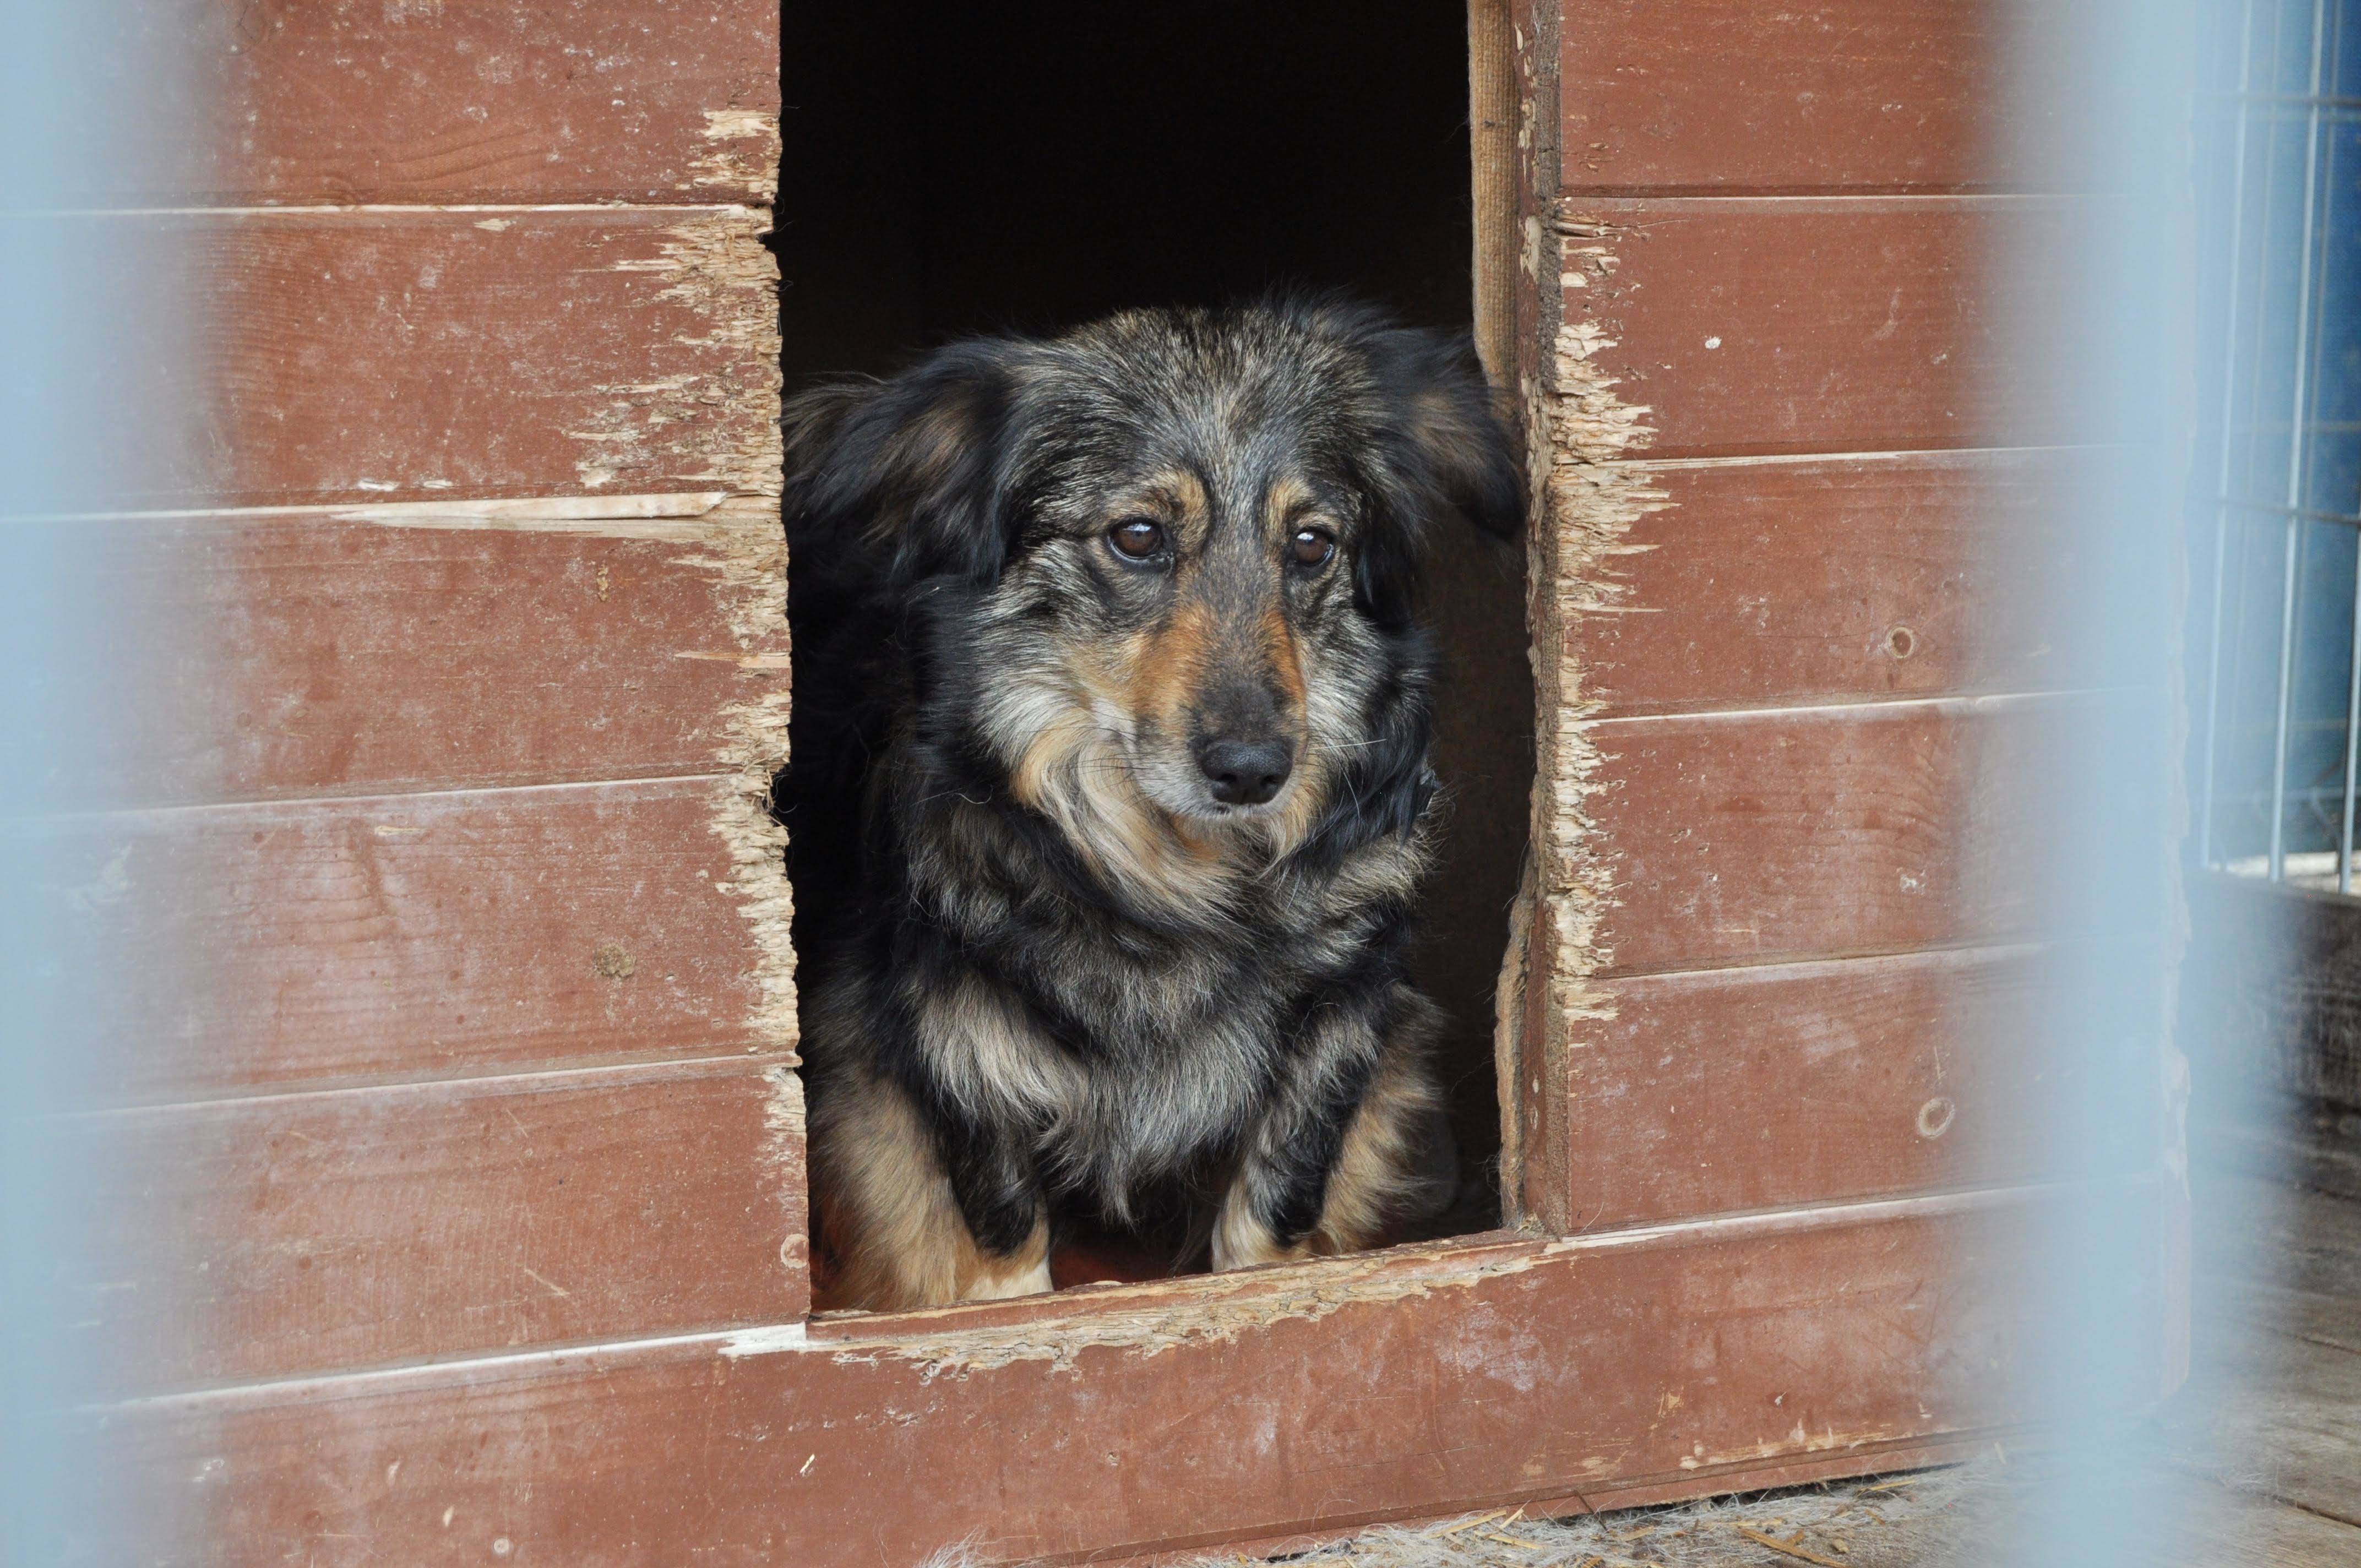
1173	668
1307	792
1287	508
1074	771
887	1217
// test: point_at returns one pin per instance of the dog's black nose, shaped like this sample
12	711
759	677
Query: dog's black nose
1246	773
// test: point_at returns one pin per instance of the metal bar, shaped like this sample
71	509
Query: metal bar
2237	647
2299	447
2287	100
2229	399
2318	794
2306	514
2333	49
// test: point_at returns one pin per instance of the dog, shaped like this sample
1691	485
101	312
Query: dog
1110	775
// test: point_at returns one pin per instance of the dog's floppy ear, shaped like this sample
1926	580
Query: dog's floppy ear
1442	420
913	466
1442	449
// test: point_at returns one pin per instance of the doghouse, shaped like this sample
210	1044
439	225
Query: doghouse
470	1215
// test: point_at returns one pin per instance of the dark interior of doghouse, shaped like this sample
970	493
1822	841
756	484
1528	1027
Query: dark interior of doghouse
988	169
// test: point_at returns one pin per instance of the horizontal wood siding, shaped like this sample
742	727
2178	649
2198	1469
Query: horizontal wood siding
1768	1086
286	1235
1703	96
1809	657
1837	579
1116	1423
367	356
426	935
1750	326
445	101
1819	832
413	651
467	1017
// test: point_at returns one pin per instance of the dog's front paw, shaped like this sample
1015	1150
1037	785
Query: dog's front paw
986	1276
1241	1240
1017	1278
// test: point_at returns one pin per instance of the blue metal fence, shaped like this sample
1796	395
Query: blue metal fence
2277	697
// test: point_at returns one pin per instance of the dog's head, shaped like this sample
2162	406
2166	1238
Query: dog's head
1180	552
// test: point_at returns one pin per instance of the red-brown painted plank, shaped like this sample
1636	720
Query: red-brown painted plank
1853	324
356	657
1312	1397
1771	1086
411	936
375	356
440	101
1801	833
1788	581
267	1237
1699	95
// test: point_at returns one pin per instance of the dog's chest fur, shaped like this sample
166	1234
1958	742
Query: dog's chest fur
1135	1043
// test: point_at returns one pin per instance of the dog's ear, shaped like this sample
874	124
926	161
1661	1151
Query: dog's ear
913	466
1444	425
1440	449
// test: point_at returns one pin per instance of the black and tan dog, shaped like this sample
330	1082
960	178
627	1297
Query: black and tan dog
1110	766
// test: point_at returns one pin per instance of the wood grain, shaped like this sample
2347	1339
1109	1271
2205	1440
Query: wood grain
378	356
1767	1086
1754	837
416	936
431	101
1698	96
1784	581
2275	985
1853	324
268	1237
1481	1377
351	658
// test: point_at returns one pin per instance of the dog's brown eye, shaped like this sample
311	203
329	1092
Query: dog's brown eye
1137	539
1312	546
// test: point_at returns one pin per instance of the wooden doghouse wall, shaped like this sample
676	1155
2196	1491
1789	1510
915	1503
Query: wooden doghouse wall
465	1029
1792	627
470	1133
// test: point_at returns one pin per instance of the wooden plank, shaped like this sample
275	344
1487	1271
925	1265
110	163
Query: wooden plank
1782	581
1766	1087
425	101
1150	1418
1757	838
2285	1412
1698	96
422	935
1853	324
265	1238
378	357
2286	1258
356	657
2205	1525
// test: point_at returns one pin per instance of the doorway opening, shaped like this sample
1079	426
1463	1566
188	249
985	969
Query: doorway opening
956	170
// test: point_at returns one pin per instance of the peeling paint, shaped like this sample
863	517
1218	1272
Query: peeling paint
1148	1319
1215	1308
745	547
672	516
751	164
1581	440
714	266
